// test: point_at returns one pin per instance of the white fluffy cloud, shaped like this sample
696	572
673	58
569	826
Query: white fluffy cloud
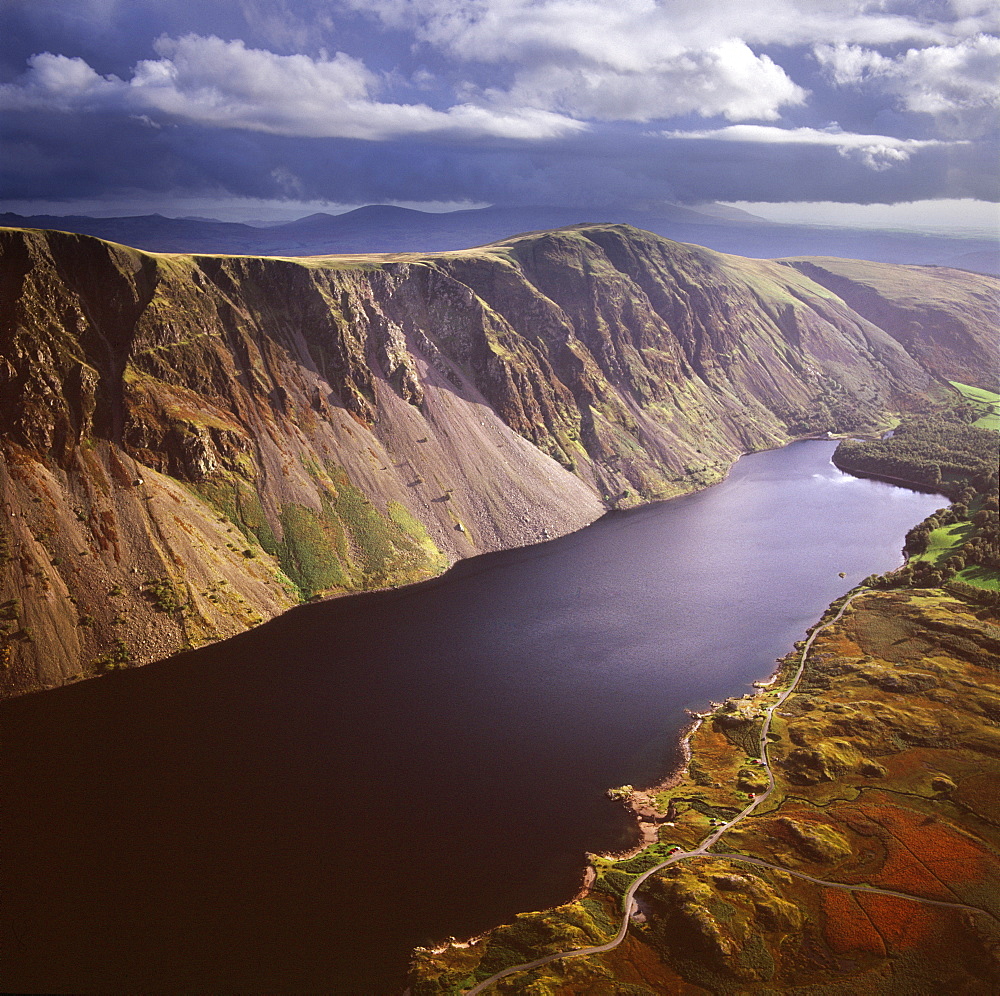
531	69
727	80
633	60
55	82
955	83
224	84
630	33
641	60
877	152
530	100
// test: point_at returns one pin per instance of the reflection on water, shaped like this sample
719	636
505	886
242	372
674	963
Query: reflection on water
293	809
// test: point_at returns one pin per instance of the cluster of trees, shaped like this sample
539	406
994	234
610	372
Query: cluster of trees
835	409
981	544
970	593
980	549
944	452
940	451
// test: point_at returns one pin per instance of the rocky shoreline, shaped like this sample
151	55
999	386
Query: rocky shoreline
887	746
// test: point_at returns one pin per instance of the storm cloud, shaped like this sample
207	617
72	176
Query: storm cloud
499	101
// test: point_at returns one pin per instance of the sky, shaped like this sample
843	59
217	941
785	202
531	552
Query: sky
828	110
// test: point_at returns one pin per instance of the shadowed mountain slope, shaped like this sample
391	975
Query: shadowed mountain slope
194	443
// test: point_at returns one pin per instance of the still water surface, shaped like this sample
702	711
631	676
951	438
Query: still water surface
295	808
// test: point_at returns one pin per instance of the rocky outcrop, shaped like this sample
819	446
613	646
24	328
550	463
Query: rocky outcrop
192	444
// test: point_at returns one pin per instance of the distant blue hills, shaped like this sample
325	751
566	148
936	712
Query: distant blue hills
384	228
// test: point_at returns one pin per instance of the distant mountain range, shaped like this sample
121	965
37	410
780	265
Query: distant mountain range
383	228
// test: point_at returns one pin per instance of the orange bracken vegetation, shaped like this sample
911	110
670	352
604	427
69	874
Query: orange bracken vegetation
924	854
637	963
978	791
847	927
902	923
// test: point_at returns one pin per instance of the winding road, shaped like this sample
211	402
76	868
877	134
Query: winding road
628	904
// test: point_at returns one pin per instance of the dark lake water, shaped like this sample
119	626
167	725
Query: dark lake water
293	809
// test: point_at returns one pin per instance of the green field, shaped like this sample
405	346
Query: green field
948	540
980	577
945	541
986	401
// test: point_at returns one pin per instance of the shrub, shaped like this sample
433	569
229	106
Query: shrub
162	593
119	656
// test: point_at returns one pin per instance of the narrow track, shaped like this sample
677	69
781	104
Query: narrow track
761	863
702	851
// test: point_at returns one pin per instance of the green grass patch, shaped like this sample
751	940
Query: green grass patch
945	541
239	503
988	402
374	535
415	530
987	578
349	544
614	882
313	551
978	395
390	546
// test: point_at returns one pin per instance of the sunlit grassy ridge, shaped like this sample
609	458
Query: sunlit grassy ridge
986	401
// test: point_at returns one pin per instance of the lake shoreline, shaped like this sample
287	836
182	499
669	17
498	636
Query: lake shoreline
491	707
649	816
641	804
819	830
166	654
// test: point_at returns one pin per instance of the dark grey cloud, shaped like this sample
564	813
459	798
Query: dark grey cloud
501	101
101	156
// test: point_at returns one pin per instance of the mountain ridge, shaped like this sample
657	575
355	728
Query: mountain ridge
387	228
192	444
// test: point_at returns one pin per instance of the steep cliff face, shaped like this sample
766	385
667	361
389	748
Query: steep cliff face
932	312
192	444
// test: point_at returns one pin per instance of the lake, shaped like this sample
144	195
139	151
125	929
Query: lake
293	809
